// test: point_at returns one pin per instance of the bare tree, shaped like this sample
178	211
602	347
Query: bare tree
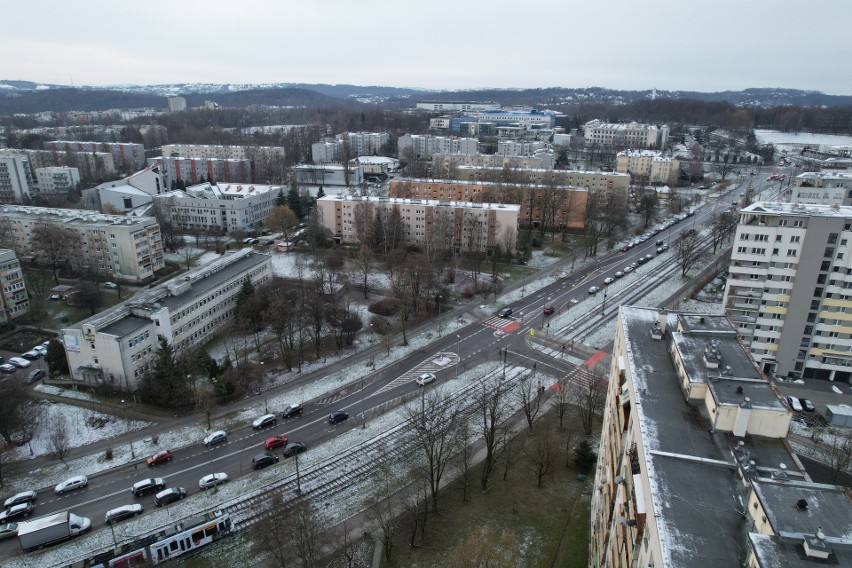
51	246
647	207
58	440
540	456
416	504
529	394
589	398
16	410
562	402
484	547
364	267
306	536
835	445
383	515
493	411
687	251
282	218
273	536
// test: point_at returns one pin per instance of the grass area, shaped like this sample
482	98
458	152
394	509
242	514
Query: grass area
514	514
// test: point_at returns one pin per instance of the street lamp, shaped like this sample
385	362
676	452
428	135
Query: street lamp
298	478
603	306
127	429
438	299
458	354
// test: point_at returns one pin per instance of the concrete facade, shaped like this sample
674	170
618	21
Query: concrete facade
823	188
625	135
16	182
14	299
652	166
125	155
328	174
57	180
422	147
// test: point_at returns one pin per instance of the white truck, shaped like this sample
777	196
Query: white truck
50	529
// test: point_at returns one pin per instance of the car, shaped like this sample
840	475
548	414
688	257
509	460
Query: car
659	243
54	297
18	498
628	269
111	285
549	310
167	496
625	248
794	403
216	437
122	513
807	405
263	460
292	411
425	379
20	363
618	274
660	250
337	417
33	354
7	368
35	375
16	512
76	482
505	312
150	485
8	530
41	349
594	290
275	442
212	480
293	448
665	247
608	280
162	456
691	232
264	421
649	257
641	260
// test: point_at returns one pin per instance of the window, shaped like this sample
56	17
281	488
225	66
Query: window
829	252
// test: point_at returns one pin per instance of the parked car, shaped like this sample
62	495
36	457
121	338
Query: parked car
608	280
35	375
146	486
425	379
807	405
794	403
337	417
216	437
8	530
8	368
18	498
171	495
594	290
162	456
292	411
263	460
122	513
549	310
16	512
505	312
212	480
41	349
660	243
293	448
618	274
111	285
20	363
33	354
76	482
275	442
264	421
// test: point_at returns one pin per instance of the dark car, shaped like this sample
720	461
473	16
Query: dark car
263	460
122	513
337	417
264	421
294	448
17	499
505	312
162	456
293	410
146	486
549	310
807	405
167	496
35	375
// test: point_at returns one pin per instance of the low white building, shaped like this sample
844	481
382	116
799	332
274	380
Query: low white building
118	346
625	135
654	167
129	193
57	179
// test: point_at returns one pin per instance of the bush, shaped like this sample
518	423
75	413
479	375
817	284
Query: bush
155	438
470	290
384	307
108	454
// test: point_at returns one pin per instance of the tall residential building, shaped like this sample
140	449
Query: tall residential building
455	106
118	346
177	104
190	170
826	188
14	299
57	179
693	469
126	155
543	160
788	288
363	143
625	135
220	152
422	147
466	227
15	178
220	208
328	174
650	165
122	248
93	166
612	183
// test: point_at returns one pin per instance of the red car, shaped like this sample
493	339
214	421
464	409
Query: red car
275	441
549	310
162	456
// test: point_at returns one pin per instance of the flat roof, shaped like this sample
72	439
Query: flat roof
204	285
125	326
776	552
828	506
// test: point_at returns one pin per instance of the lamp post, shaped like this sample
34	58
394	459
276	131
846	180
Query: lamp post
438	299
298	478
603	306
126	431
458	353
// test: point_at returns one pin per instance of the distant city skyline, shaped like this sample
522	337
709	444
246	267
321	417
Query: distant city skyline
440	45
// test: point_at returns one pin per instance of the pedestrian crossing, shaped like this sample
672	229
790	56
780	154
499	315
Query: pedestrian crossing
435	364
502	324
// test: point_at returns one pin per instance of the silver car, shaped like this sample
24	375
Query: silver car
70	484
216	437
212	480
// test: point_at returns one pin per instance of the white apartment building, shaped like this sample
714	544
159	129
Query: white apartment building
177	104
516	148
625	135
422	147
15	178
788	289
823	188
57	179
126	155
215	170
328	174
221	152
14	299
445	162
455	106
221	208
363	143
609	182
92	166
528	119
122	248
118	346
467	227
325	152
652	166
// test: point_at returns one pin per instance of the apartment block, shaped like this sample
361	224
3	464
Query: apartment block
191	170
122	248
625	135
788	289
219	208
455	106
823	188
651	166
14	299
559	207
328	174
611	183
363	143
93	166
693	469
118	346
16	182
57	180
125	155
422	147
466	227
176	104
221	152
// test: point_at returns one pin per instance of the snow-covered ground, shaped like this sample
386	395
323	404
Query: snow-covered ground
801	138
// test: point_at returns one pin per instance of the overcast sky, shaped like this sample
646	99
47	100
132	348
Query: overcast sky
710	45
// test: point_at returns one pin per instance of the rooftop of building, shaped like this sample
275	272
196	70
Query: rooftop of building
798	209
689	466
597	123
826	175
478	183
125	326
780	552
427	202
73	216
801	508
211	280
228	191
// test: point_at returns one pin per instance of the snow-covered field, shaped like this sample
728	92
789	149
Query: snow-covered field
801	139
